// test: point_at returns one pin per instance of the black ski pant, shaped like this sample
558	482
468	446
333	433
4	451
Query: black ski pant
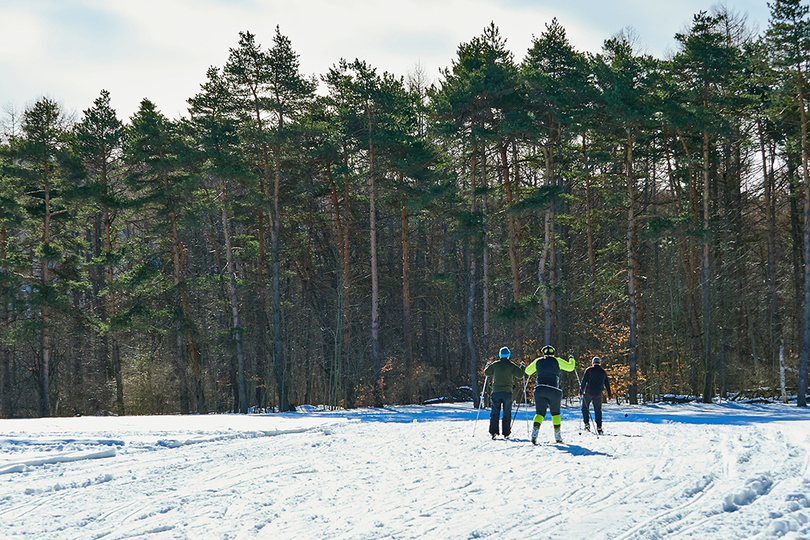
499	399
547	398
597	409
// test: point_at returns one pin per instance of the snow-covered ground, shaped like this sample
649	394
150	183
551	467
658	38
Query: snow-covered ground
718	471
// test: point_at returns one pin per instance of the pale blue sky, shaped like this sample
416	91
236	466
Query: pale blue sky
69	50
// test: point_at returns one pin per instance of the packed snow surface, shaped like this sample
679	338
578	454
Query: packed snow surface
719	471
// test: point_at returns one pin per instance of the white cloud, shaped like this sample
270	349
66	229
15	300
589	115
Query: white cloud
22	38
160	49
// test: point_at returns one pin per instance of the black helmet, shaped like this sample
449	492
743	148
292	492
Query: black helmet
548	350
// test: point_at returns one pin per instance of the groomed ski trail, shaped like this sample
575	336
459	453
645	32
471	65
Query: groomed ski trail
413	472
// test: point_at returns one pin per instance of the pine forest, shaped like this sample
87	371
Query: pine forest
357	239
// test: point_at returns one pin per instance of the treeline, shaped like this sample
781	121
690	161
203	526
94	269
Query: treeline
378	240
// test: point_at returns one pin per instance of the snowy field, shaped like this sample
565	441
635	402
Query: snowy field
722	471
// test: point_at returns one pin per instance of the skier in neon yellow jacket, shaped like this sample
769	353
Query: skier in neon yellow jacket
547	391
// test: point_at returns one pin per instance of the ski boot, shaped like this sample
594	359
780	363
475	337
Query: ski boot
557	435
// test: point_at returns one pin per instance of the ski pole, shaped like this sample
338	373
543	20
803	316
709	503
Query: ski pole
514	415
579	386
525	384
526	399
480	400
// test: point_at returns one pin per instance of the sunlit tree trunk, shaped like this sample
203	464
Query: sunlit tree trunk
512	229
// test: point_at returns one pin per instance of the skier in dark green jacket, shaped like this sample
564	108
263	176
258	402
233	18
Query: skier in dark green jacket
503	372
547	391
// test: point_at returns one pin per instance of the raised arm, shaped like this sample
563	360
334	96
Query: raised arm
566	365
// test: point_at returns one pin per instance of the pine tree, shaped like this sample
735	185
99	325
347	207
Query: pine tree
48	172
464	109
289	93
339	145
626	82
12	223
160	180
99	139
272	94
557	86
215	129
704	64
789	37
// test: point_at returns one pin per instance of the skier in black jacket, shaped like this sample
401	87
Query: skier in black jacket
591	392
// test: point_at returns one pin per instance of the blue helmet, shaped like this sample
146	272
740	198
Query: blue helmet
505	353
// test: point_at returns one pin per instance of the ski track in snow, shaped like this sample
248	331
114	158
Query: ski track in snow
674	472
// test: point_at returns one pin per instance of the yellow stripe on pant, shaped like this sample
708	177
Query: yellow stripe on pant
556	419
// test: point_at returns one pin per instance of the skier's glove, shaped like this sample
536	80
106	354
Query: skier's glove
570	356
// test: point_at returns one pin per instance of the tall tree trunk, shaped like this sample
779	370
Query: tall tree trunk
191	344
632	262
547	265
45	359
589	235
471	291
542	276
342	367
407	334
375	288
115	361
774	315
309	362
335	370
689	260
262	355
5	325
708	358
264	180
224	317
346	275
179	259
801	399
485	261
278	348
512	226
45	389
235	319
797	248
